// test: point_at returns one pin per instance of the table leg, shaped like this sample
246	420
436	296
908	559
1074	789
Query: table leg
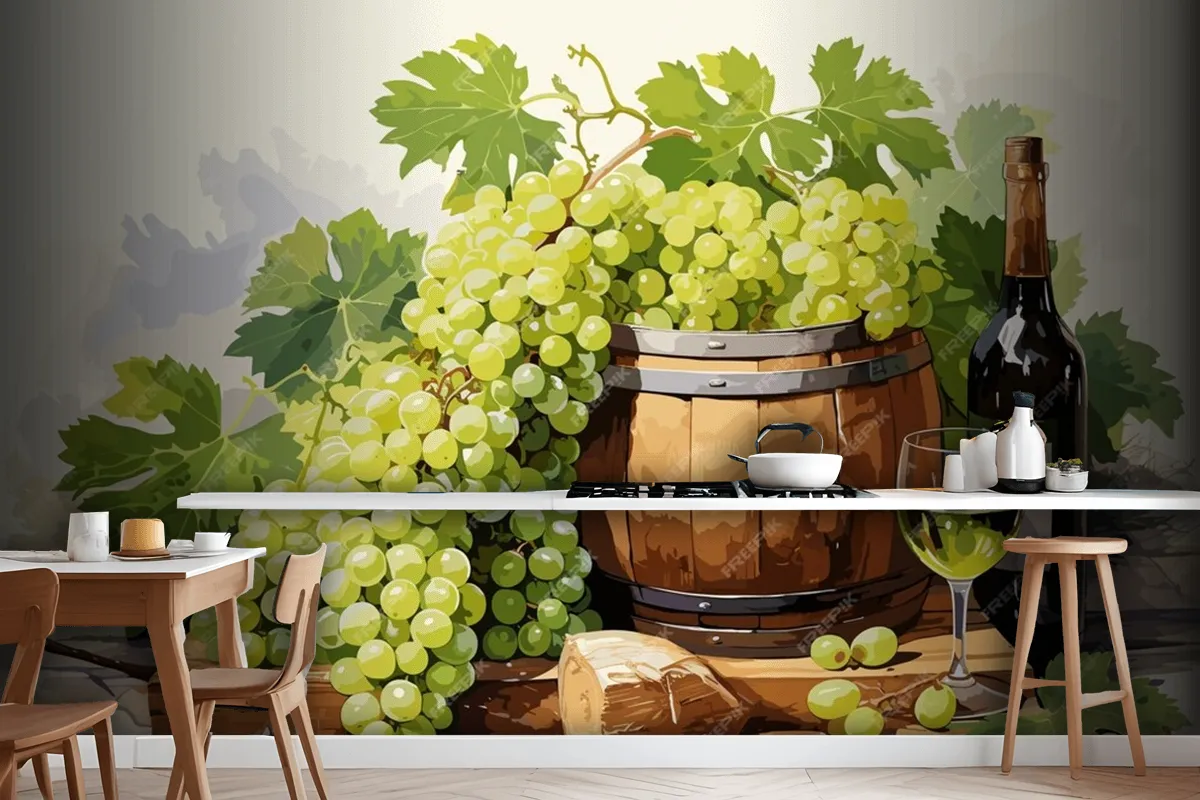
231	650
177	696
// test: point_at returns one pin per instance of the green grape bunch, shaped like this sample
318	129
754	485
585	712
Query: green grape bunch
486	378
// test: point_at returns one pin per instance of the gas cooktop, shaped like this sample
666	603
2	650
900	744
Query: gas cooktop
694	489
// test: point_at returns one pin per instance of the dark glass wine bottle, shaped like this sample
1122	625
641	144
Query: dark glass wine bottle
1027	347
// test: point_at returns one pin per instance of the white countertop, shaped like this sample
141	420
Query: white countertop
881	500
175	567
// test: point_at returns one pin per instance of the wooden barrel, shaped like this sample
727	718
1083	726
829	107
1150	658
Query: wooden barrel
749	583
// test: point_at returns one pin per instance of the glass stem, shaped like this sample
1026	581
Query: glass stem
958	661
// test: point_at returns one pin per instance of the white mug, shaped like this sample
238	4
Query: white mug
210	540
87	536
953	479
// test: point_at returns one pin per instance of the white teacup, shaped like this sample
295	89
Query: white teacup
87	536
210	541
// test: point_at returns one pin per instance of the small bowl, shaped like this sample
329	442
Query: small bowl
1058	481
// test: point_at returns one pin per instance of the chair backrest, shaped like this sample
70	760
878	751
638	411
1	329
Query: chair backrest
28	602
296	605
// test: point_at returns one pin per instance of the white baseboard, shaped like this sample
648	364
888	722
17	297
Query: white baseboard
628	752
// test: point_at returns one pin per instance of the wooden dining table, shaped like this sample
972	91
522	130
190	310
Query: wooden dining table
159	596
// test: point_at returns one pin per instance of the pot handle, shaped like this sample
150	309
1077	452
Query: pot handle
739	458
804	428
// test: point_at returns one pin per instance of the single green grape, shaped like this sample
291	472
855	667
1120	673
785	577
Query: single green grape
829	652
552	614
337	590
935	707
864	721
578	562
545	563
377	659
562	536
451	564
419	413
365	565
359	623
400	599
590	208
528	380
432	628
468	424
411	658
358	711
568	588
833	699
449	680
440	594
346	677
527	525
400	700
500	642
508	569
874	647
327	634
508	606
461	648
407	561
472	604
533	639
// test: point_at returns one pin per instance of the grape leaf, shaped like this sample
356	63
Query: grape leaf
727	132
1066	273
977	189
858	111
971	257
855	116
135	473
481	109
323	313
1157	712
1123	379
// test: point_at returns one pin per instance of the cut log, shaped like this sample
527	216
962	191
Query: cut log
625	682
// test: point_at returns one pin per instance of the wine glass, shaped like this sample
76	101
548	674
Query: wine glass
958	545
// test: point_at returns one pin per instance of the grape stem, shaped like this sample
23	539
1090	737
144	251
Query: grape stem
912	687
787	179
644	140
583	54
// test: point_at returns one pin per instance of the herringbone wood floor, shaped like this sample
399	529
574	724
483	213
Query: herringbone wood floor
1031	783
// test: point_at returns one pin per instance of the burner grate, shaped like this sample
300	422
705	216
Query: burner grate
837	490
685	489
663	489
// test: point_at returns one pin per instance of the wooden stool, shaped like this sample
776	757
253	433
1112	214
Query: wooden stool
1065	551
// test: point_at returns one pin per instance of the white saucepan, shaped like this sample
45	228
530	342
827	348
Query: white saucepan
791	470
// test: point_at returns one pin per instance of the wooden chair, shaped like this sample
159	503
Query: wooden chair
28	602
1066	551
283	692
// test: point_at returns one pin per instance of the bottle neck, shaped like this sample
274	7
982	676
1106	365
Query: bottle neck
1026	251
1022	416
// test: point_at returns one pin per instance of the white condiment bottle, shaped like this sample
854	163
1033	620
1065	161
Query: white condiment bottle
1021	450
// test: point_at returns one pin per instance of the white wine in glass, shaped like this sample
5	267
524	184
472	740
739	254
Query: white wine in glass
959	546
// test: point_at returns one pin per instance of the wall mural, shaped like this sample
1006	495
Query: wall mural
471	358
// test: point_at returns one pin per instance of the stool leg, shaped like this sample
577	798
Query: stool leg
1031	591
1128	705
1070	623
